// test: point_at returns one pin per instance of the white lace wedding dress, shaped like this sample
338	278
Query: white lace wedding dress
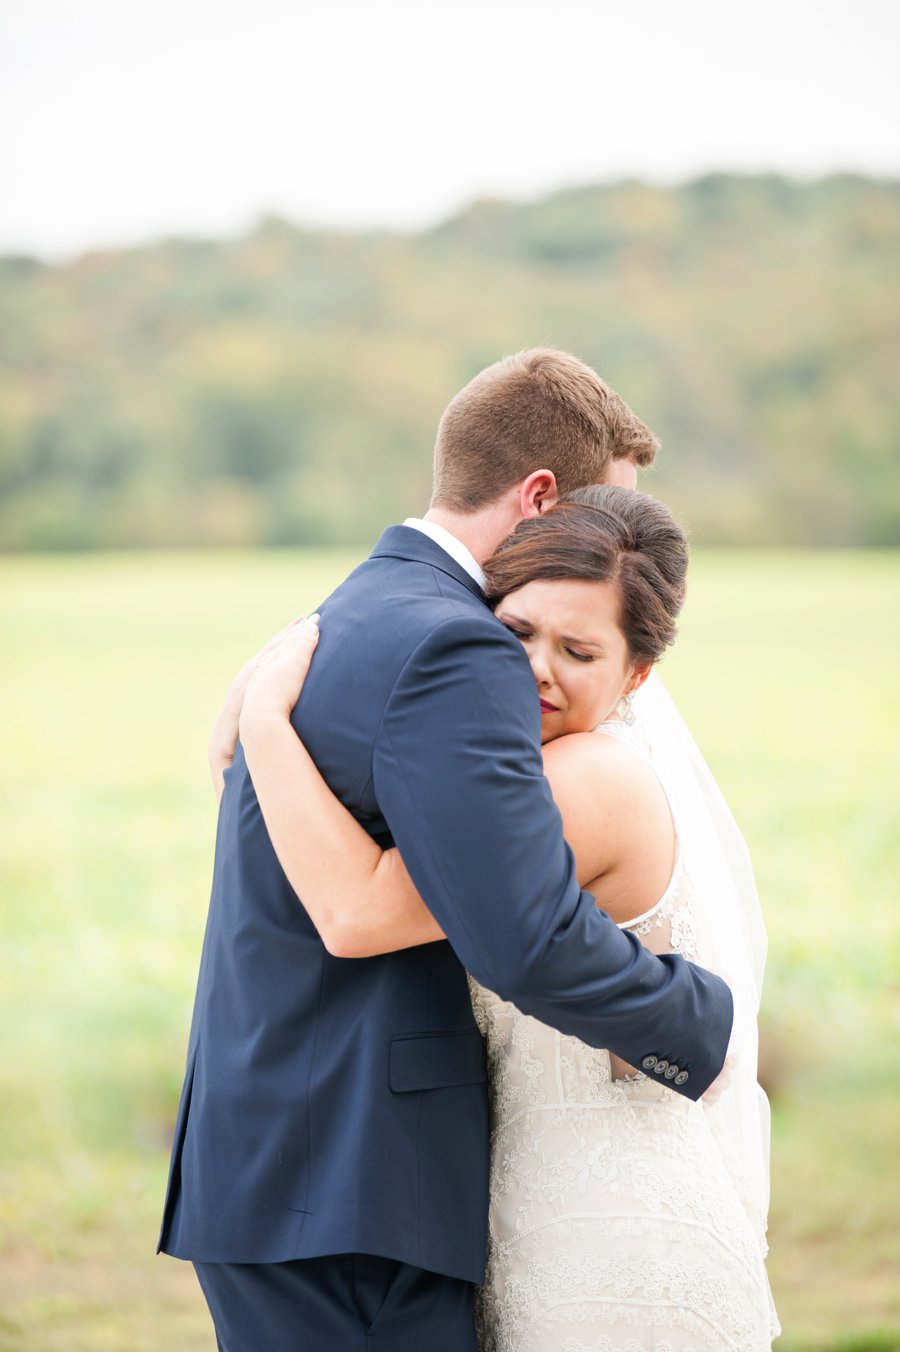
620	1221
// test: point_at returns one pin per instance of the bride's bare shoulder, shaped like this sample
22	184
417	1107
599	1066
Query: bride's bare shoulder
602	765
613	806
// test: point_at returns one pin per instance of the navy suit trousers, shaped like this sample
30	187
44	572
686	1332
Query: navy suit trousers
342	1303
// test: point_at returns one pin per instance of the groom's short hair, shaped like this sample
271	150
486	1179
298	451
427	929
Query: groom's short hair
539	409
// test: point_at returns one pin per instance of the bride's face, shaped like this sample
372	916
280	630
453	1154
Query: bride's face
570	631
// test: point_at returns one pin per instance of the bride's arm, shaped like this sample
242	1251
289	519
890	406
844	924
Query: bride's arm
359	897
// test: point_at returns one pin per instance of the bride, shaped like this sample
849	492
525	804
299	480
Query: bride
624	1217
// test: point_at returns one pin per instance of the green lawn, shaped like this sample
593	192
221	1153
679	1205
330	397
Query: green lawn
112	668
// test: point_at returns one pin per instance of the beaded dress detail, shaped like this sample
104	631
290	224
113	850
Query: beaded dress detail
616	1220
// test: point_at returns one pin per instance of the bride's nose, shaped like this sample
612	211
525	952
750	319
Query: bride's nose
540	667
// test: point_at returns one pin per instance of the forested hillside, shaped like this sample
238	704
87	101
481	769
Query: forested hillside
283	388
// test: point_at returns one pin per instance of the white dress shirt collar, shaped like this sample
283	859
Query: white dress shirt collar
450	545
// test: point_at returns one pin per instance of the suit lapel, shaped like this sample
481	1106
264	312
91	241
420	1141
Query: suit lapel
405	542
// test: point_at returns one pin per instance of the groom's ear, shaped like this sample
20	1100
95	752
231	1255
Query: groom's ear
537	493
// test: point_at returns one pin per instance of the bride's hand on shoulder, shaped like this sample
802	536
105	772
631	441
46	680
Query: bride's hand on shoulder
279	673
224	734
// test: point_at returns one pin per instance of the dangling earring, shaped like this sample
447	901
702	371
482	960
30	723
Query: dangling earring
625	710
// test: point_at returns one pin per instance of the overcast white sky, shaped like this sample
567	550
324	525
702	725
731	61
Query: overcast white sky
121	120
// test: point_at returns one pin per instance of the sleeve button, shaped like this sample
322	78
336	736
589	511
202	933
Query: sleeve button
672	1072
682	1077
648	1062
661	1067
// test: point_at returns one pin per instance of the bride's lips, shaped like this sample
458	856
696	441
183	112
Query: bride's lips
548	708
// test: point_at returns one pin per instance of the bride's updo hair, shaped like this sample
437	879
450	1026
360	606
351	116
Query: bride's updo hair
604	534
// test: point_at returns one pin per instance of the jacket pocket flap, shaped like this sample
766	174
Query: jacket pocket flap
436	1061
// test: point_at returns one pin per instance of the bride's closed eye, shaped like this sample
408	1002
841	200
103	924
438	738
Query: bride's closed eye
523	635
517	631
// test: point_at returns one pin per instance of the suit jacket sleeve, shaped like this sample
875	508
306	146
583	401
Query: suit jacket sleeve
458	775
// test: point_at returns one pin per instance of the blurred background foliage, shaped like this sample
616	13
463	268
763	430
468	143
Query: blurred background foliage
235	393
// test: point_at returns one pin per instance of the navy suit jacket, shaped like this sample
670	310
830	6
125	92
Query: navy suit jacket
339	1105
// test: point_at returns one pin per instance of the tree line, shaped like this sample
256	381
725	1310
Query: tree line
284	387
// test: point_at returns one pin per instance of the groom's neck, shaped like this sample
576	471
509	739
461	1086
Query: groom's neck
481	532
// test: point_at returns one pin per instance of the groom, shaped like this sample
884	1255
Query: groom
330	1165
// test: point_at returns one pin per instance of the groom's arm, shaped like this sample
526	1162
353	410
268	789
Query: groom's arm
459	779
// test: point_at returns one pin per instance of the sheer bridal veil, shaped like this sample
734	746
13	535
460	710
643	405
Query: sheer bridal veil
731	931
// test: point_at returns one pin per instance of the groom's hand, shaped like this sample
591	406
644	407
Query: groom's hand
721	1082
736	1041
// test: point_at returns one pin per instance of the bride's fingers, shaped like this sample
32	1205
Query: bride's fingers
273	645
277	639
283	668
279	667
300	624
241	680
296	637
300	645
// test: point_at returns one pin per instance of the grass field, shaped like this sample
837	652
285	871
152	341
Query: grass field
112	669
